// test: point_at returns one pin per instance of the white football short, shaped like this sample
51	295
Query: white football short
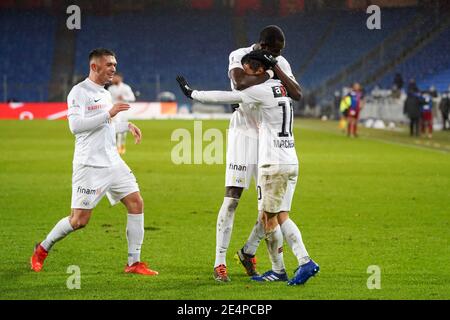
90	184
242	160
276	187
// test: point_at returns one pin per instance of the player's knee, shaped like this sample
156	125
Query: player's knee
282	217
78	223
231	205
233	192
136	204
270	222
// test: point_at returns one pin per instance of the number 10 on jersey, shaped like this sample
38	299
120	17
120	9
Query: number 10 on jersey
288	117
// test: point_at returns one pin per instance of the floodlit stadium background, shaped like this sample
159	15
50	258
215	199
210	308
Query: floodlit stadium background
379	200
329	46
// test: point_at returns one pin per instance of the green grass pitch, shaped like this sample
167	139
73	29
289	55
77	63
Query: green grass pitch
382	199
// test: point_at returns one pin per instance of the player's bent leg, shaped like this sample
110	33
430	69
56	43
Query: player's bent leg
233	192
135	234
78	219
246	255
134	203
307	268
292	235
274	240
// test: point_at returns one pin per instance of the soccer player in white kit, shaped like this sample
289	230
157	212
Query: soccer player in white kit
241	159
277	161
121	92
98	170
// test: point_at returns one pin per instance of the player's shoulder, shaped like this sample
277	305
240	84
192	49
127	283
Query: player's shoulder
241	51
127	86
282	61
78	92
263	90
79	88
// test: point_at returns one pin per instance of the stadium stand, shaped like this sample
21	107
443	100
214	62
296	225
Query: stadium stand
427	65
156	46
26	53
328	48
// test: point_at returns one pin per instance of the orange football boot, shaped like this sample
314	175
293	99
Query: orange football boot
220	273
140	268
38	258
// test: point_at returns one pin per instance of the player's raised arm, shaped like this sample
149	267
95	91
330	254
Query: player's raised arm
208	96
292	87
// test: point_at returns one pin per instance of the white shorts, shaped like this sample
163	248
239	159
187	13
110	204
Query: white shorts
276	187
242	160
90	184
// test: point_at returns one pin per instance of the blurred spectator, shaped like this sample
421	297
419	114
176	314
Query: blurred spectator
352	105
166	96
427	114
396	93
311	101
433	92
337	104
398	81
412	109
121	92
412	86
444	106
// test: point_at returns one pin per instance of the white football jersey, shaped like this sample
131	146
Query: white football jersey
270	101
247	122
89	121
121	93
276	137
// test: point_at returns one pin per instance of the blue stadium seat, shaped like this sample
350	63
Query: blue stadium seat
26	42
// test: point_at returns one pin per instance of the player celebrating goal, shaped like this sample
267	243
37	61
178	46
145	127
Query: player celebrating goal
277	160
243	149
97	167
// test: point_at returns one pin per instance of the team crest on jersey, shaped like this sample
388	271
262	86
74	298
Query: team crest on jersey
279	91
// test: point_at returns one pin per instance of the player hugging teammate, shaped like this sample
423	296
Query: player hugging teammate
266	111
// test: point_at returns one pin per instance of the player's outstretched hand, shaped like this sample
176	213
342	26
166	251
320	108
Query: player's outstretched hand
184	86
136	132
118	107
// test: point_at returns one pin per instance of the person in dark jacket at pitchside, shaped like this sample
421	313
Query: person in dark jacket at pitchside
412	109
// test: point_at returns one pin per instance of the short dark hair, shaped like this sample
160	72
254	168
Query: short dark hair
252	60
100	52
271	35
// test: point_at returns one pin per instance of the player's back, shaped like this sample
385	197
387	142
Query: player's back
276	138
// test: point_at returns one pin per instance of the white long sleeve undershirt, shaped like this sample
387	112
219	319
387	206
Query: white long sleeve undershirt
78	124
217	96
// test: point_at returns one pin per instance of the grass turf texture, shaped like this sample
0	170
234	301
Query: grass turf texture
381	199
